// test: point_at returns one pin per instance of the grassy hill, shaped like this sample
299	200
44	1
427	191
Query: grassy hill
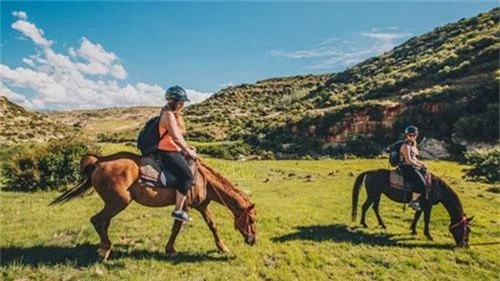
110	124
303	225
18	125
445	81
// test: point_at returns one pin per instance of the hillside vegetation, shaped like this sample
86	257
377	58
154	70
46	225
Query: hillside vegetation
445	81
19	125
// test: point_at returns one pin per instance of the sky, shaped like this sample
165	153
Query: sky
81	55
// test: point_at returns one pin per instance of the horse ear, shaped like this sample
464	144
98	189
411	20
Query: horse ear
252	206
470	219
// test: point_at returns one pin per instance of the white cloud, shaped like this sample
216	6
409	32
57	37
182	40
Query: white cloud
20	14
14	97
335	53
197	97
227	84
30	30
85	77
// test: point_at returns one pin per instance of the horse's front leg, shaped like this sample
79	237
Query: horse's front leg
207	216
427	219
413	226
169	248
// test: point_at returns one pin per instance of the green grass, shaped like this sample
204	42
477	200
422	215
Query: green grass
304	233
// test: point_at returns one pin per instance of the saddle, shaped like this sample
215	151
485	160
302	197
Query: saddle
397	181
152	173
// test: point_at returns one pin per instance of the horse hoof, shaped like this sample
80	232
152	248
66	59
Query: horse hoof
104	253
383	226
364	225
429	238
171	254
224	249
413	232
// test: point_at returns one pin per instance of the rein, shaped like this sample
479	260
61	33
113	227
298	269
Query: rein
464	228
236	220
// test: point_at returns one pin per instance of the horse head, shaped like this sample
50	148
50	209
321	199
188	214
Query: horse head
461	231
245	224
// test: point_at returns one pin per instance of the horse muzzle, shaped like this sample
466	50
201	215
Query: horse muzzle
251	240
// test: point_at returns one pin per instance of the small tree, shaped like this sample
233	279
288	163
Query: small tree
485	164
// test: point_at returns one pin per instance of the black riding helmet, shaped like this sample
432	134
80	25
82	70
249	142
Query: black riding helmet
411	130
176	93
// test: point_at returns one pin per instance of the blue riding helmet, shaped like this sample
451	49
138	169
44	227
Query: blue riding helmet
176	93
411	130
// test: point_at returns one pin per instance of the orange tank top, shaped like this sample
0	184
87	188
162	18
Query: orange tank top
167	142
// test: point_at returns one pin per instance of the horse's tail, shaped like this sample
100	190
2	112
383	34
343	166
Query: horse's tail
355	194
87	166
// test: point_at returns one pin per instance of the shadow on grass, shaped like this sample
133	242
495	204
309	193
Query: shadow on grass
343	233
85	255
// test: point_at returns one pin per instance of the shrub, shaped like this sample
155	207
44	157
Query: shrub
226	151
485	164
49	166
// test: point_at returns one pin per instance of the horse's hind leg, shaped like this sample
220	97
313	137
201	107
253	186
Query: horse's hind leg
101	223
364	208
375	209
207	216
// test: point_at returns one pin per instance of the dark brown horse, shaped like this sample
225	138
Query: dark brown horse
115	178
377	183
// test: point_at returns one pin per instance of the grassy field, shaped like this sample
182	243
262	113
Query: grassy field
304	233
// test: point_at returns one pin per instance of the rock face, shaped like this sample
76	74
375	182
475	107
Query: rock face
364	122
433	149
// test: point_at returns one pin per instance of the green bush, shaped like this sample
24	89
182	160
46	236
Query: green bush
226	151
485	164
50	166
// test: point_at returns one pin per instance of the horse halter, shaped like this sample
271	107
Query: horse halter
464	228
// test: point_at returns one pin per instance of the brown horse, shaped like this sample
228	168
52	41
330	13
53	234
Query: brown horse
377	182
115	178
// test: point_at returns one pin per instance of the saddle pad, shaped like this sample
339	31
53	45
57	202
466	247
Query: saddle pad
153	174
397	181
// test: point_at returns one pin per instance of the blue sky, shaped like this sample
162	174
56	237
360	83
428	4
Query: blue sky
66	55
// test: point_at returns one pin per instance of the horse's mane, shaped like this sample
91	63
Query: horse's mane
225	183
448	188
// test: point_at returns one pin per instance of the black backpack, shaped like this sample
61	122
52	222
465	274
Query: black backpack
393	150
149	137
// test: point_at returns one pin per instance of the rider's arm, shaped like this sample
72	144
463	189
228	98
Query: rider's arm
405	149
168	121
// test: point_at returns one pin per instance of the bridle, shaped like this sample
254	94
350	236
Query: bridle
237	220
464	228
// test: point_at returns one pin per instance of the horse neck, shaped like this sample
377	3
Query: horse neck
451	203
229	197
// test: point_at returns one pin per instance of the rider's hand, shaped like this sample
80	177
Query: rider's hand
424	165
191	153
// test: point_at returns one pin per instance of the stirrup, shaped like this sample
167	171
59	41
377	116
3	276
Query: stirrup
415	205
180	216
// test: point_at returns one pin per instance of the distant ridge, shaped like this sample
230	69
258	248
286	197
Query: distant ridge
18	125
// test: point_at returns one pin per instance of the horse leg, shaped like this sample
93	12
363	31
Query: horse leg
169	248
365	207
427	219
413	226
101	222
375	209
207	216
